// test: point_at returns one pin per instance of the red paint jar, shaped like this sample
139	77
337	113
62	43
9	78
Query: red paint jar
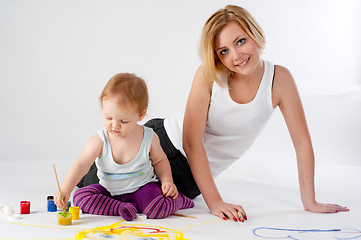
24	207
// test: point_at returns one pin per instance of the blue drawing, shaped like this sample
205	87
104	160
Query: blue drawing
307	234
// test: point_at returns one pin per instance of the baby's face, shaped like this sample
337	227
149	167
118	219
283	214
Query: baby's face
119	120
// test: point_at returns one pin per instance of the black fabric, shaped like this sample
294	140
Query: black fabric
181	172
90	178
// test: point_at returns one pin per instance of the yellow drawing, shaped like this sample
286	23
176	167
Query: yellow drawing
130	231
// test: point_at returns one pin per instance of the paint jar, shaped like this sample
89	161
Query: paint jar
64	219
75	212
50	197
8	209
68	206
24	207
51	205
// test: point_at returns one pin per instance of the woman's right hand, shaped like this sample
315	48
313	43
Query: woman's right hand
195	120
224	210
58	201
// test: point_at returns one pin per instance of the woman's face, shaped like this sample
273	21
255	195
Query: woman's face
236	50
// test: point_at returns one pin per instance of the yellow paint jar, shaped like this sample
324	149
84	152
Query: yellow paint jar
75	212
64	219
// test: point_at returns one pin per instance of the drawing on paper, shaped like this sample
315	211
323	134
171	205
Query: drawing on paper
130	231
303	234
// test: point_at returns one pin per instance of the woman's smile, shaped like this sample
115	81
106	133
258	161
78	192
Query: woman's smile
243	64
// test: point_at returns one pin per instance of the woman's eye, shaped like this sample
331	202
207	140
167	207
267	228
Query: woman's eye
223	52
241	41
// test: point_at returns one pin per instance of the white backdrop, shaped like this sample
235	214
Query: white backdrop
56	56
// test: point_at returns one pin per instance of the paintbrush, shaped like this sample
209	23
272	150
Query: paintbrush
61	197
182	215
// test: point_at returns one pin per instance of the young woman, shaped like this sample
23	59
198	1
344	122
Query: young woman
233	95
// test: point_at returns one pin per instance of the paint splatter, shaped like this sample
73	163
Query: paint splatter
307	234
130	231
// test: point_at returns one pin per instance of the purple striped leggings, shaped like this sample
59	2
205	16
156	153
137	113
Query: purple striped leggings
149	199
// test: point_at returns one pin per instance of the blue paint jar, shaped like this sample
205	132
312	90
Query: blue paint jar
51	206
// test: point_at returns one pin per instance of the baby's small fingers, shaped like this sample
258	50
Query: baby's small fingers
175	194
170	191
59	204
165	189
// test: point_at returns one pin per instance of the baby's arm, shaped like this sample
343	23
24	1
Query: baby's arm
78	169
162	168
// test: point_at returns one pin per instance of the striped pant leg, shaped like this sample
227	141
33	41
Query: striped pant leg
95	199
154	204
162	206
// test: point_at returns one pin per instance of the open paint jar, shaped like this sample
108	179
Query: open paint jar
75	212
24	207
51	205
64	219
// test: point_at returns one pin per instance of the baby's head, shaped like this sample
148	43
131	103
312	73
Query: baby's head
129	90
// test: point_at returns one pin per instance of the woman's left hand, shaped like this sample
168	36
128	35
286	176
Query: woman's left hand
325	208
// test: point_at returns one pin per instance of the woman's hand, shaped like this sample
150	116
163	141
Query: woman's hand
325	208
169	189
223	210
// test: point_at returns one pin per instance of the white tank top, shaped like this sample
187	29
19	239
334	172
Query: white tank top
129	177
231	127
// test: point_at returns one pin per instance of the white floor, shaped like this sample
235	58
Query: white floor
269	194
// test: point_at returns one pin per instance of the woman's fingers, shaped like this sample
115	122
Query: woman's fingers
234	213
326	208
335	208
241	214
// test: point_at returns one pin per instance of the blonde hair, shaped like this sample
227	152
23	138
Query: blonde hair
130	90
214	70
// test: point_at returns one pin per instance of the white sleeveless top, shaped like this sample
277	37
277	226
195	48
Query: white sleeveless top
231	127
129	177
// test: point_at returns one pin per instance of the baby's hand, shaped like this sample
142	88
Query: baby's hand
169	189
58	201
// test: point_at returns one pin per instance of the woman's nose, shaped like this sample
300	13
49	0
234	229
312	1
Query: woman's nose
236	55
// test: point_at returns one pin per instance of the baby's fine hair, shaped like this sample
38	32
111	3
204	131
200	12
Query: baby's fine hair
214	70
130	90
